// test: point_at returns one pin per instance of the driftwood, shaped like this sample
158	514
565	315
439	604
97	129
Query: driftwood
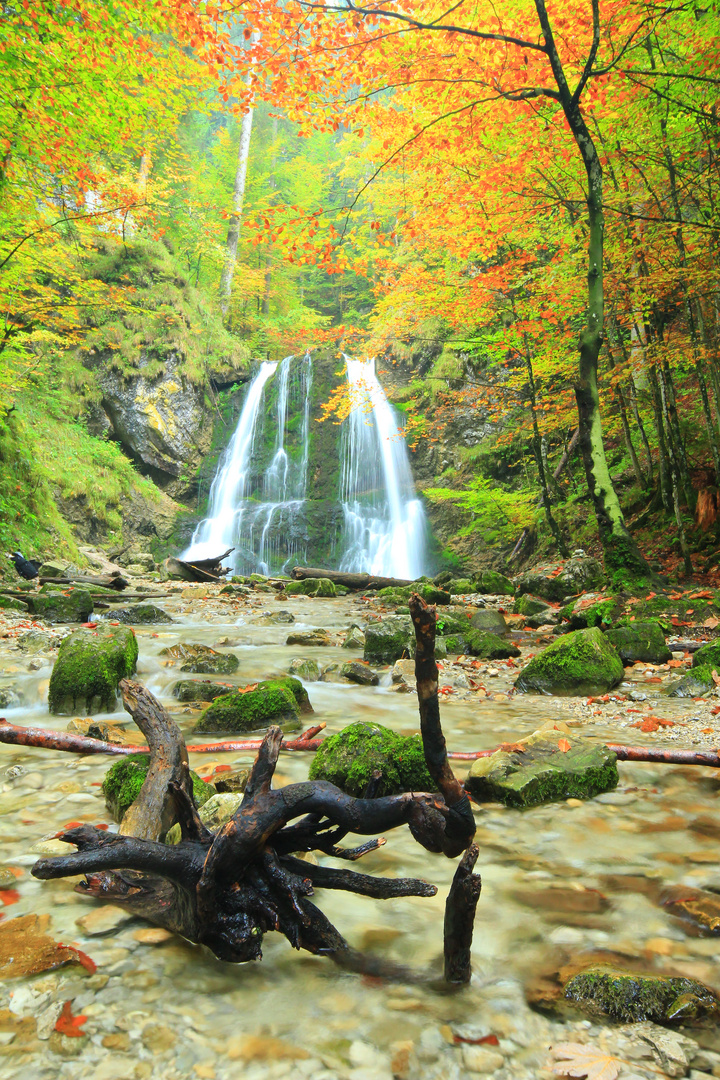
350	581
460	909
102	581
199	569
226	890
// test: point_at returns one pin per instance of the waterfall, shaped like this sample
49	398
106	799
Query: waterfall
384	522
260	512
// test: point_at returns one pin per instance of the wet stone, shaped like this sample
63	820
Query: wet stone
303	668
103	920
359	673
489	621
9	698
641	642
349	759
199	690
698	909
316	636
629	997
389	639
143	614
354	638
581	662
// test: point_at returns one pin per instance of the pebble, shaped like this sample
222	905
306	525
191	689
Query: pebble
478	1059
81	797
103	919
263	1048
153	935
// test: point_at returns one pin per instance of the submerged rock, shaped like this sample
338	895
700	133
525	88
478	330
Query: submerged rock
9	698
697	908
124	779
642	642
250	709
356	672
202	660
143	614
316	636
35	641
390	639
89	666
349	759
631	997
199	690
311	587
61	605
305	669
545	767
581	662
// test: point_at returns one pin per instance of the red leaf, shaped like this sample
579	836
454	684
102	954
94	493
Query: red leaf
67	1024
563	745
82	958
9	896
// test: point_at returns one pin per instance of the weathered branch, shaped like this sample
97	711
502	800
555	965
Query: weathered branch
460	908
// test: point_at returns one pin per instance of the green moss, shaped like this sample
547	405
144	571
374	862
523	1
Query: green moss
495	584
582	662
124	779
198	690
212	663
642	642
296	688
632	998
349	759
66	605
581	614
527	604
142	614
460	586
271	702
695	683
477	643
389	640
88	669
311	587
708	656
9	603
430	593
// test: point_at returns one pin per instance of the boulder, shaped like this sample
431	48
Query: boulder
36	641
9	698
56	568
124	779
270	702
460	586
202	660
305	669
57	604
550	767
489	621
311	586
494	584
642	642
88	669
10	603
527	604
631	998
386	641
316	636
349	759
400	594
698	682
708	656
356	672
354	638
199	690
274	618
477	643
581	573
592	609
141	614
581	662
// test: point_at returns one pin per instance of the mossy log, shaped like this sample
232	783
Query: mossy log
350	581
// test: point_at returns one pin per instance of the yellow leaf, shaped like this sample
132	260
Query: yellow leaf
583	1060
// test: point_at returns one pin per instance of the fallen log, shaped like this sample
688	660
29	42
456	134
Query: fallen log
199	569
350	581
102	581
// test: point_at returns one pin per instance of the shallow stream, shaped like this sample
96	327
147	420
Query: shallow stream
169	1009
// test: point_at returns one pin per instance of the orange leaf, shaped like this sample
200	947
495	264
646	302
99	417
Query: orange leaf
563	745
67	1024
583	1060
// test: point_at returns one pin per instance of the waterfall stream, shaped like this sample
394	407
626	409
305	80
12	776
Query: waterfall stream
384	522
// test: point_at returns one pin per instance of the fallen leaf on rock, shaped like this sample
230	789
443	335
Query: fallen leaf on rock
26	948
585	1060
512	747
67	1024
563	745
711	623
676	663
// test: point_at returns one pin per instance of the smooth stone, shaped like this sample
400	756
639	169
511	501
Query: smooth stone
316	636
153	935
103	920
478	1059
303	668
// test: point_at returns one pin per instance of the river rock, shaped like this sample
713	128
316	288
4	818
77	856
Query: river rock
356	672
199	690
274	618
592	609
61	605
101	729
36	641
527	604
696	683
103	920
697	908
400	594
354	638
125	777
316	636
56	568
142	614
708	656
9	698
493	584
214	813
489	621
581	573
303	668
459	586
88	669
386	641
631	997
477	643
581	662
11	603
273	701
349	759
640	641
202	660
550	767
311	587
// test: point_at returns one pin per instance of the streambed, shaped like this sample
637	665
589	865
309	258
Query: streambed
169	1009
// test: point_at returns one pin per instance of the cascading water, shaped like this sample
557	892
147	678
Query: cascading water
384	523
261	513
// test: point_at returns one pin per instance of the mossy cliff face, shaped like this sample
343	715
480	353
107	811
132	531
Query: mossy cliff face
124	779
579	663
88	669
632	998
349	759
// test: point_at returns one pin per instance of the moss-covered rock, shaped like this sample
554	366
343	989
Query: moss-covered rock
708	656
271	702
214	813
10	603
349	759
124	779
632	998
386	641
460	586
199	690
297	690
354	638
592	609
695	683
550	768
316	636
642	642
489	621
88	669
311	587
305	669
527	604
582	662
494	584
142	614
400	594
476	643
202	660
355	672
579	574
61	605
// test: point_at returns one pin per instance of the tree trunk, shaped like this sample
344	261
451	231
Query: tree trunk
663	463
